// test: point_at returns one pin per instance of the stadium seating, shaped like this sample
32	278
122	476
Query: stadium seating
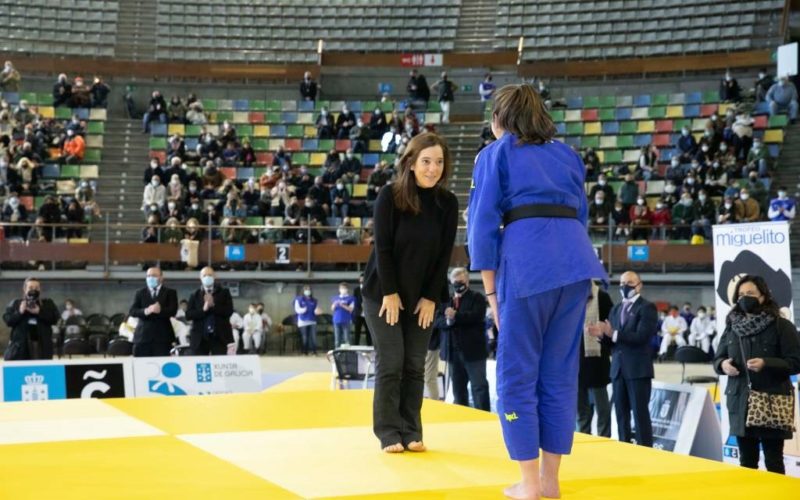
285	31
59	27
568	29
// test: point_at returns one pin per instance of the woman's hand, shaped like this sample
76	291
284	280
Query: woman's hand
425	308
495	311
729	369
755	364
391	306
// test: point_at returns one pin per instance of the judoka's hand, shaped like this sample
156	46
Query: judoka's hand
495	311
392	305
425	308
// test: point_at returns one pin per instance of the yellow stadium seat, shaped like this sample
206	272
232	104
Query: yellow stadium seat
261	131
275	144
724	107
359	190
89	172
773	136
697	136
630	156
317	159
47	111
646	127
212	117
94	141
97	114
608	141
310	131
375	145
572	115
674	111
434	118
79	240
356	221
639	114
176	128
601	155
305	118
699	124
592	128
241	117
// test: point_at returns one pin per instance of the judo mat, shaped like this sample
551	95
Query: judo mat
300	440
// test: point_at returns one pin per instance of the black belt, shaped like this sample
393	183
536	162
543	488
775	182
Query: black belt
539	210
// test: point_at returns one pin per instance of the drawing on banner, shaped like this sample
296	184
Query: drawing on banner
106	380
33	382
165	386
34	388
748	262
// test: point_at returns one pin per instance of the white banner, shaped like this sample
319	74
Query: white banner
759	248
66	379
194	375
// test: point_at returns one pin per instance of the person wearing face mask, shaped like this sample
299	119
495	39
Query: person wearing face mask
763	83
210	310
675	170
31	319
683	215
154	194
418	90
661	219
463	343
9	78
727	211
351	166
641	219
757	160
622	220
729	90
705	214
325	124
687	145
782	208
154	170
701	330
758	351
154	305
629	331
62	91
673	329
344	122
308	88
342	307
446	90
782	96
600	213
73	149
377	124
602	185
307	309
716	179
746	208
252	330
340	199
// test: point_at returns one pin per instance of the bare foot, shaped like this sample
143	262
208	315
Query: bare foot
550	490
416	446
521	491
394	448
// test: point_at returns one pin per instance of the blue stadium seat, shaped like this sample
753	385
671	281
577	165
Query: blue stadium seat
370	159
11	98
310	145
623	114
244	173
289	117
50	171
277	130
159	129
355	106
691	111
611	127
694	98
640	140
402	105
561	128
668	154
573	140
761	108
241	105
305	106
641	100
575	102
191	142
774	150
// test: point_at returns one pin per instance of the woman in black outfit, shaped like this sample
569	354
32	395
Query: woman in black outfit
771	354
406	276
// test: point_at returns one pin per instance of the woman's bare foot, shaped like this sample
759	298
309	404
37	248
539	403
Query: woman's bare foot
548	479
416	446
550	490
521	491
394	448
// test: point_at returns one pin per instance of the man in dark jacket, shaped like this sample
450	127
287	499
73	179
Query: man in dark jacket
31	319
461	322
210	309
418	87
359	322
308	88
154	305
156	111
629	332
62	91
594	370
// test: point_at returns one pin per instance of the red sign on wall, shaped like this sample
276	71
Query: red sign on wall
412	60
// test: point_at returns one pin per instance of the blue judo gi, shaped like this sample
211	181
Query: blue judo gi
544	267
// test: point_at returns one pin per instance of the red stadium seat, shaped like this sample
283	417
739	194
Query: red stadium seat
760	122
342	144
228	172
708	109
365	172
264	158
662	140
589	115
293	144
664	126
257	117
161	155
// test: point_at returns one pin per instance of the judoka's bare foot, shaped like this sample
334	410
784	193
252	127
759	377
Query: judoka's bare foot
521	491
550	489
551	463
416	446
394	448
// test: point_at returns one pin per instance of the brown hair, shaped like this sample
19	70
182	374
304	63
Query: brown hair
520	110
406	198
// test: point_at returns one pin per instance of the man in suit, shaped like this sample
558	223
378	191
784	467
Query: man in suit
359	322
210	309
629	332
461	322
154	305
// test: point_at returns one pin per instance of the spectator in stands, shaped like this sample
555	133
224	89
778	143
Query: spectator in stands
25	177
622	219
81	96
703	155
233	206
23	114
9	78
602	185
154	170
306	308
74	215
176	111
340	199
661	219
648	163
690	184
701	330
39	233
73	149
727	211
705	215
683	215
15	211
31	319
782	207
756	160
156	111
212	175
193	232
172	233
151	233
641	219
70	311
314	216
782	96
391	140
763	83
758	189
195	114
729	89
628	192
50	210
687	146
320	194
673	329
487	136
377	124
417	88
282	158
746	208
600	212
346	233
486	88
351	167
230	155
99	93
308	88
377	179
446	90
345	122
154	193
210	309
675	171
742	138
592	162
154	306
325	124
62	91
759	340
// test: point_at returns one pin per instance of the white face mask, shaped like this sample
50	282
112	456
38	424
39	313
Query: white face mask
602	182
781	194
640	202
155	182
675	164
599	201
659	206
340	186
705	149
701	315
744	196
171	206
343	291
723	147
702	198
728	205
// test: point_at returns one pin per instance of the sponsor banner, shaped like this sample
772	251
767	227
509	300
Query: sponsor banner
418	60
195	375
45	380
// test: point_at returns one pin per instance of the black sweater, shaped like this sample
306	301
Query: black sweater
412	252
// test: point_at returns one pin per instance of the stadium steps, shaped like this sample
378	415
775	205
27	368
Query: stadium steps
136	36
476	25
463	139
119	188
787	172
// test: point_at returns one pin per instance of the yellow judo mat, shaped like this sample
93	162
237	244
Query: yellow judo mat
315	444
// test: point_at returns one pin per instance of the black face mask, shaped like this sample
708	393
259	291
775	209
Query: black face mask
748	304
460	287
33	294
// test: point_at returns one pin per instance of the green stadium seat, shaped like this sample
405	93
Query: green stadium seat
209	105
93	156
224	116
260	144
778	121
95	128
710	97
627	127
244	130
258	105
295	131
590	141
591	102
624	141
31	97
158	143
63	113
657	112
317	106
433	106
557	115
254	221
607	101
70	171
613	156
677	125
575	128
606	114
659	100
273	106
274	117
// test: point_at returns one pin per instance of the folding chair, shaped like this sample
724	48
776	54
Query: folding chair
354	363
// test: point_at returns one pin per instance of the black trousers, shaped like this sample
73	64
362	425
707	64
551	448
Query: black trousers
591	400
633	395
474	373
773	453
212	346
359	323
151	349
399	376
